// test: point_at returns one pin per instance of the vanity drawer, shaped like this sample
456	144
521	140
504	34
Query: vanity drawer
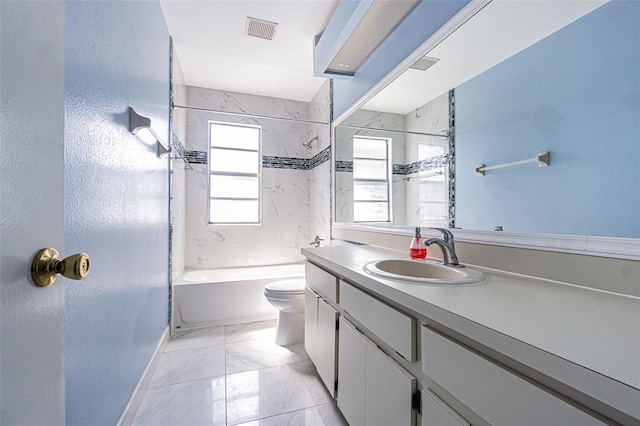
322	281
491	391
394	327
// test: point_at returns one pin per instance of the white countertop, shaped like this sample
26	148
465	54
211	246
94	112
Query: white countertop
595	330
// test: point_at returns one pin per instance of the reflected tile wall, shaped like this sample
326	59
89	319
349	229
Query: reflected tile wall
286	206
320	181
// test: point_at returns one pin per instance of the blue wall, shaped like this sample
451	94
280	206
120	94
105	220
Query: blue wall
427	17
576	94
116	203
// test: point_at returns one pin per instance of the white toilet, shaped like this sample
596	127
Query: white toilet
288	297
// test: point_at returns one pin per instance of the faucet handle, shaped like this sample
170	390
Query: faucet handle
447	236
316	242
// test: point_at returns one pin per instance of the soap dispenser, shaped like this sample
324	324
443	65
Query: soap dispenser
417	249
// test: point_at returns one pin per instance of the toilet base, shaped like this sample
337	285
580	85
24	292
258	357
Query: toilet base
290	328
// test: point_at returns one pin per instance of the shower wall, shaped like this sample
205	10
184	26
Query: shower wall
178	173
287	175
320	169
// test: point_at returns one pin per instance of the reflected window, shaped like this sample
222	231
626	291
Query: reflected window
235	166
371	179
433	204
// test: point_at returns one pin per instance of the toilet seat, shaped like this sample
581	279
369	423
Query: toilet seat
285	287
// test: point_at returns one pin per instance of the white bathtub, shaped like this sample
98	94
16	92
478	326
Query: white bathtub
208	297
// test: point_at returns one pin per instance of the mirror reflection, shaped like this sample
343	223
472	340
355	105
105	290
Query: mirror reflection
564	82
394	168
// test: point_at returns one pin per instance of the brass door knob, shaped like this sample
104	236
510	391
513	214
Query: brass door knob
47	266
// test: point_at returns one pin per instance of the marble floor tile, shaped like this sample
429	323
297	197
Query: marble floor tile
200	402
256	394
256	354
198	338
259	330
191	364
320	415
298	352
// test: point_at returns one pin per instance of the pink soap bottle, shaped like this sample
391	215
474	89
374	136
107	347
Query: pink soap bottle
417	249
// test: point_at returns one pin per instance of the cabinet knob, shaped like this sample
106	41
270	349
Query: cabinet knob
47	267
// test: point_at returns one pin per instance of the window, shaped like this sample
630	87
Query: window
235	166
433	198
371	201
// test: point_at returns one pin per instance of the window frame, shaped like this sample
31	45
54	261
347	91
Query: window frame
211	173
387	180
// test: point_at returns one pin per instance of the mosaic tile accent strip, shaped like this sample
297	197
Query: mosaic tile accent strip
403	169
196	157
270	162
319	158
452	159
285	163
177	146
344	166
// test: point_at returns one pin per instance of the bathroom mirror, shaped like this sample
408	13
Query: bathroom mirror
527	77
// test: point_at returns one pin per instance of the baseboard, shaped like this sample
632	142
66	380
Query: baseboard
226	321
136	398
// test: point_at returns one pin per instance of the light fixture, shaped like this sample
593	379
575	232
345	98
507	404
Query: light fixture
138	122
376	23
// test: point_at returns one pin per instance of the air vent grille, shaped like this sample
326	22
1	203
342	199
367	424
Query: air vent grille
424	63
261	29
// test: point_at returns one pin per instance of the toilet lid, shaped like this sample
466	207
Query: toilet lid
286	286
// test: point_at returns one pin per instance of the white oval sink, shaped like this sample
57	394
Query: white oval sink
424	272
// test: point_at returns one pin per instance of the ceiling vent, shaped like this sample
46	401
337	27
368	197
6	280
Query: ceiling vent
424	63
261	29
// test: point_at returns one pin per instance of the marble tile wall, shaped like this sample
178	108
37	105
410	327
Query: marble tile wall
286	186
178	174
320	179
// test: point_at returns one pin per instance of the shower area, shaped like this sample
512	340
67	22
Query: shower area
294	196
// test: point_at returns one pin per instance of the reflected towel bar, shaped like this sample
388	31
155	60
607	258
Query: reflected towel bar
542	159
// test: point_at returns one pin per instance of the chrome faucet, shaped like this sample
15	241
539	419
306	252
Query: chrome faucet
316	242
447	246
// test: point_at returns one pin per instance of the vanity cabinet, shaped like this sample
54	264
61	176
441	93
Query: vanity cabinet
311	323
320	323
372	388
496	394
326	345
394	327
435	412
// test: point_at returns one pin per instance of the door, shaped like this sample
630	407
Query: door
32	210
352	373
388	382
326	345
311	323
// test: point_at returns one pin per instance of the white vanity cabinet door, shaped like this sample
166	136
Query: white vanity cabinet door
352	373
389	392
491	391
321	281
310	323
394	327
326	345
436	412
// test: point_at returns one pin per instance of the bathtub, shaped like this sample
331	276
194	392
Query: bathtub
209	297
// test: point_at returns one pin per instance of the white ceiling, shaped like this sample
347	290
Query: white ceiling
214	51
500	30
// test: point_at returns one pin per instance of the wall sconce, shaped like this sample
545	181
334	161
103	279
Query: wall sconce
138	122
